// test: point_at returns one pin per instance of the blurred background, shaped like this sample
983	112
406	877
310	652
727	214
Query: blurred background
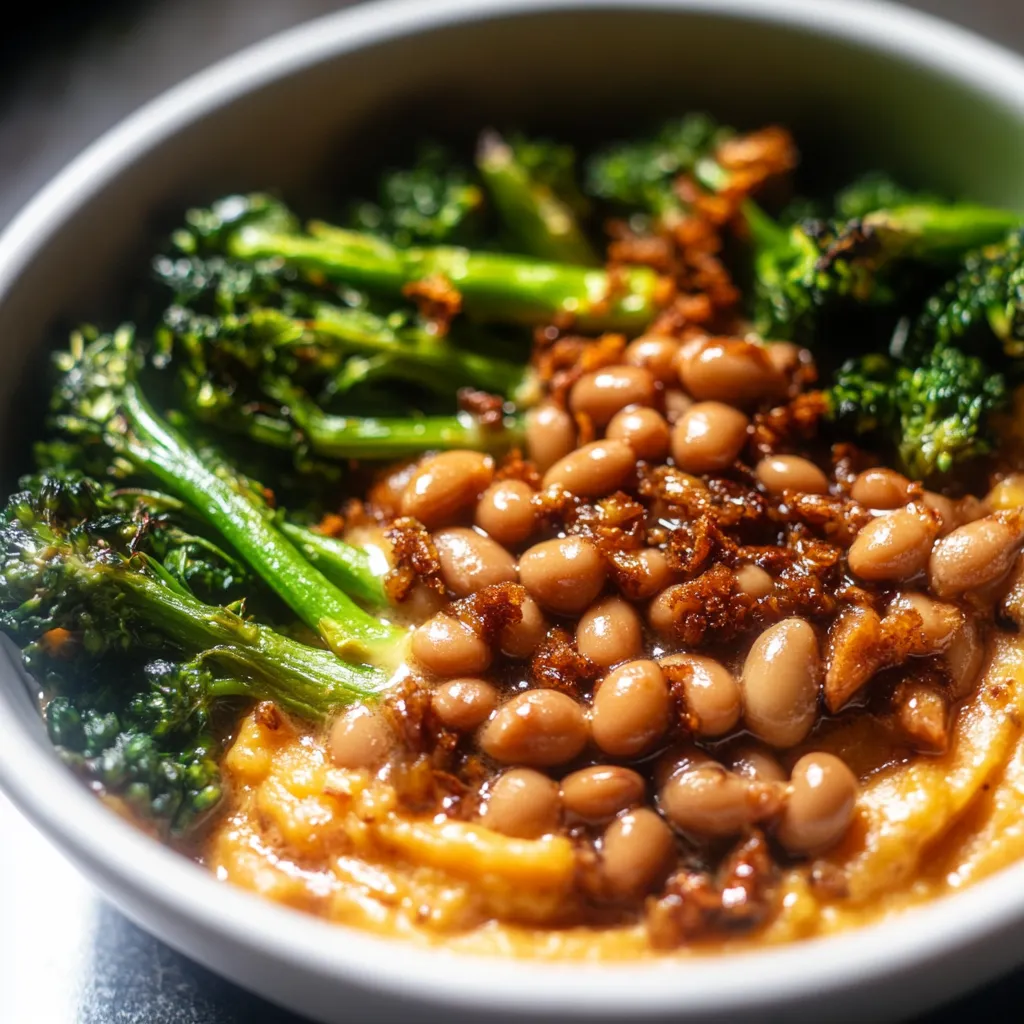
69	71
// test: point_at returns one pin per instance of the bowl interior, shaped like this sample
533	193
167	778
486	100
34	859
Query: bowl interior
319	112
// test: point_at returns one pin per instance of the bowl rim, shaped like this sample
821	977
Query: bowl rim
56	803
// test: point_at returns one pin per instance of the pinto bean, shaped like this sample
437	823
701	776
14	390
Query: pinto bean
964	657
752	762
539	728
522	803
855	652
951	514
594	470
462	704
644	430
522	638
711	694
601	791
563	575
649	574
470	561
820	807
882	489
754	581
703	796
602	393
636	852
895	546
361	738
447	647
780	473
631	708
708	437
676	403
550	435
975	554
729	370
445	486
780	682
609	632
505	512
654	353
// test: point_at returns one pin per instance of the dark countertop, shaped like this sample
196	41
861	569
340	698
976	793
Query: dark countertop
67	74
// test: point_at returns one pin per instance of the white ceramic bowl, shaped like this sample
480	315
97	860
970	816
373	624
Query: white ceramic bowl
887	86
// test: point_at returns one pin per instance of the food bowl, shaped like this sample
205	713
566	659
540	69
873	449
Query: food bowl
305	112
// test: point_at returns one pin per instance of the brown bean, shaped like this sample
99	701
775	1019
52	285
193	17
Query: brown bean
361	738
644	430
1008	493
550	435
704	797
594	470
447	647
470	561
654	353
964	658
522	803
855	651
751	762
780	683
463	704
676	403
445	486
522	638
648	573
609	632
895	546
539	728
882	489
711	694
602	393
563	575
631	708
728	370
708	437
939	621
754	581
505	512
822	799
636	853
975	555
786	357
950	513
661	613
601	791
780	473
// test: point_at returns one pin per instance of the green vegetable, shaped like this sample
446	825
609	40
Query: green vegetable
982	307
641	175
431	202
802	273
533	188
73	560
493	286
935	415
98	400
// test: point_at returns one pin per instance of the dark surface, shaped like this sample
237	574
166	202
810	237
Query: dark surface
67	73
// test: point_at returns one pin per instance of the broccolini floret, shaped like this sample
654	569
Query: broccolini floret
934	415
804	272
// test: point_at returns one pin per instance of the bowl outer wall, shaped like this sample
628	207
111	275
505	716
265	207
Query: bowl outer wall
264	117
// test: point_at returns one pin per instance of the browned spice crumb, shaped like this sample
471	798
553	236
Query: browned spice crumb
490	609
437	299
558	665
487	409
415	559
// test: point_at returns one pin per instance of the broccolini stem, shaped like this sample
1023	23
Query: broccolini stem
350	567
936	231
355	437
536	218
306	680
357	330
493	286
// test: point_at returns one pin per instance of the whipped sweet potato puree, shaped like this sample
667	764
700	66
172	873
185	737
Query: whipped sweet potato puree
331	842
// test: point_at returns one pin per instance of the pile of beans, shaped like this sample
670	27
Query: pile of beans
655	748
